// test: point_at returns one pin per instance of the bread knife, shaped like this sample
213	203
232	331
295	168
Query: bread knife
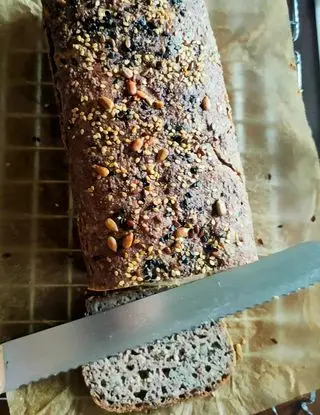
88	339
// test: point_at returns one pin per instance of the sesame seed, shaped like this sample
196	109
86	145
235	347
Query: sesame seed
221	207
127	73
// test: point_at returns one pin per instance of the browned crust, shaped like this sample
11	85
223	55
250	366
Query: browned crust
145	408
97	288
212	127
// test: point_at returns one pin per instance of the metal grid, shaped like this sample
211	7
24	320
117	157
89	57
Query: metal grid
295	26
42	274
43	277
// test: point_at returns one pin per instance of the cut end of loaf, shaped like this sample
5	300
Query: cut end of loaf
178	367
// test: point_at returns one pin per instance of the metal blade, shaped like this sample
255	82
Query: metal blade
88	339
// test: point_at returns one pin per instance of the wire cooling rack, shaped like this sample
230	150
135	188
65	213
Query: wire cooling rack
42	274
36	207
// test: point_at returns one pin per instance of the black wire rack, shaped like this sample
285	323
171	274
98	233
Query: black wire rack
305	25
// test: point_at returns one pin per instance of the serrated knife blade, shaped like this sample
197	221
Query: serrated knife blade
90	338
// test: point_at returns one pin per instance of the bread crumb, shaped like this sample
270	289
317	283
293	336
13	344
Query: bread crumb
238	350
292	66
260	241
243	341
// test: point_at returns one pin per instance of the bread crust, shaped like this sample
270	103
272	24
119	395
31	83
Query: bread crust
155	170
145	407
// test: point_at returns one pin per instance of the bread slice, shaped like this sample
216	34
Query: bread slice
191	363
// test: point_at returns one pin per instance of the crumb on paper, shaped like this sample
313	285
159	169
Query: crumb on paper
238	350
243	341
292	65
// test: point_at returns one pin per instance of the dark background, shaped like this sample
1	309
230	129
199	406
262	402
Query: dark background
308	47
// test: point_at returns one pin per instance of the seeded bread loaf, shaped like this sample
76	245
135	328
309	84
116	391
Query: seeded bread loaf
191	363
156	175
156	178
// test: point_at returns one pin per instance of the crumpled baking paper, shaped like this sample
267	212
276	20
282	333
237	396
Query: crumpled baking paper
279	343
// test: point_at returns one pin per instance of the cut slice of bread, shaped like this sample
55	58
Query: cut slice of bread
191	363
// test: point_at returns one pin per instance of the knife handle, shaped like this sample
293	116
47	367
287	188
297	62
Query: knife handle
2	370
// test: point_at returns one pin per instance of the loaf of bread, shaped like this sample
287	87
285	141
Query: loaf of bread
187	364
156	174
156	178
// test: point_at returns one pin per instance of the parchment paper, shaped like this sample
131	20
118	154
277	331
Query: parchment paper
279	356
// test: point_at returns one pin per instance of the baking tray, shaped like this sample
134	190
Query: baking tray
42	273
